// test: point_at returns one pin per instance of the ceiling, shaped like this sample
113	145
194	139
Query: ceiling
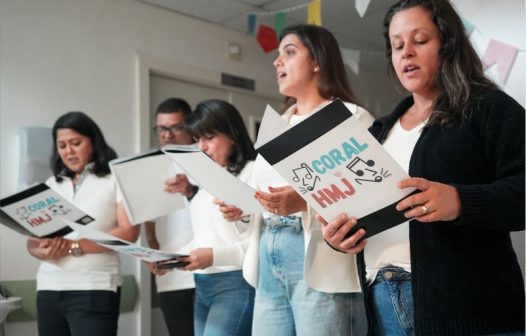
339	16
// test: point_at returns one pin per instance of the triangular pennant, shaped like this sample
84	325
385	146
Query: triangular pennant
468	26
251	24
314	12
501	54
361	6
280	22
351	58
267	38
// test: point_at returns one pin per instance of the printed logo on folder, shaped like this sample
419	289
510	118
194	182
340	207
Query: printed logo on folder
337	166
37	211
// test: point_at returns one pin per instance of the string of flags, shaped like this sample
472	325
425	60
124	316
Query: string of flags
497	53
267	36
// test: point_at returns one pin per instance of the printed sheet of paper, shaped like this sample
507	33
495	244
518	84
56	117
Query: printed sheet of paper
214	178
337	166
141	181
37	211
111	242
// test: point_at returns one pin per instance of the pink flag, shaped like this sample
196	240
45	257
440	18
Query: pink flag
503	55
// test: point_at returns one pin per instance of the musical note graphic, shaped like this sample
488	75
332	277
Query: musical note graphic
305	174
363	169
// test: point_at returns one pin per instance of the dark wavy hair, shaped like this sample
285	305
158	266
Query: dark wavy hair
324	50
215	116
102	153
461	78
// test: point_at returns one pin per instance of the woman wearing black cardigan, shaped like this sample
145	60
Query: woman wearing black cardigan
451	269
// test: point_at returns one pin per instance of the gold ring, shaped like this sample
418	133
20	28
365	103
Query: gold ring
276	211
425	210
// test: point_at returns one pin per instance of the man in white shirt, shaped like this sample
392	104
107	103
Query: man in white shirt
173	231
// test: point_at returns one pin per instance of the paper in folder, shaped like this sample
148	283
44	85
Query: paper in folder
37	211
214	178
122	246
337	166
141	181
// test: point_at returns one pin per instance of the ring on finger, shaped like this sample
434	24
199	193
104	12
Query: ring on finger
424	209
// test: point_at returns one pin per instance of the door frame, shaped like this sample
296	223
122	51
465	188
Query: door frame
147	65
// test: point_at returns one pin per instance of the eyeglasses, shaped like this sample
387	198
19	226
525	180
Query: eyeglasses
174	129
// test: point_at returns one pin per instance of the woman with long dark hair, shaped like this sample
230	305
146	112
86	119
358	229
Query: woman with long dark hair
303	287
224	301
78	281
451	269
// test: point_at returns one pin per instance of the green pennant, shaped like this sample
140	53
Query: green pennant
280	22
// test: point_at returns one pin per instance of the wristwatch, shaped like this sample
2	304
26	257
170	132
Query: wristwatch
74	249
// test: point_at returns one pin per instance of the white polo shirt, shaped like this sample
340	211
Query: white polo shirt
97	196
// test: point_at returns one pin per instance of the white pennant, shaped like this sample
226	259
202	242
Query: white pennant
351	58
361	6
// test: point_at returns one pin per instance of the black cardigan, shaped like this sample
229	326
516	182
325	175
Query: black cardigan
465	275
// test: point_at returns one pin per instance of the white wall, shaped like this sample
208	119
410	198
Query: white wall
503	21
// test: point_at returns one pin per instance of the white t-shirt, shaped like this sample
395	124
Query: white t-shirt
391	247
228	240
173	232
98	197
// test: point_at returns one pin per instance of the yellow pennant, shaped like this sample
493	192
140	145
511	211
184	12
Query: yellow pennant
314	12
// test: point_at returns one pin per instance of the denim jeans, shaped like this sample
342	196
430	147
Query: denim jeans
224	304
285	304
78	313
392	302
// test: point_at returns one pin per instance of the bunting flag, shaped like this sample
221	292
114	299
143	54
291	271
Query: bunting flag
267	38
468	26
361	6
314	12
280	22
251	31
351	58
501	54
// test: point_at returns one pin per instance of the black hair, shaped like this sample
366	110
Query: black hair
324	50
102	154
215	116
461	78
174	105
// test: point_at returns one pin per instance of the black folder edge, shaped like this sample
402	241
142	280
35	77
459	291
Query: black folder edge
168	149
381	220
305	132
145	155
23	194
171	263
11	223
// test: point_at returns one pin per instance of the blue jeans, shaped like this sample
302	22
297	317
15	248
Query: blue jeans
392	302
224	304
285	304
